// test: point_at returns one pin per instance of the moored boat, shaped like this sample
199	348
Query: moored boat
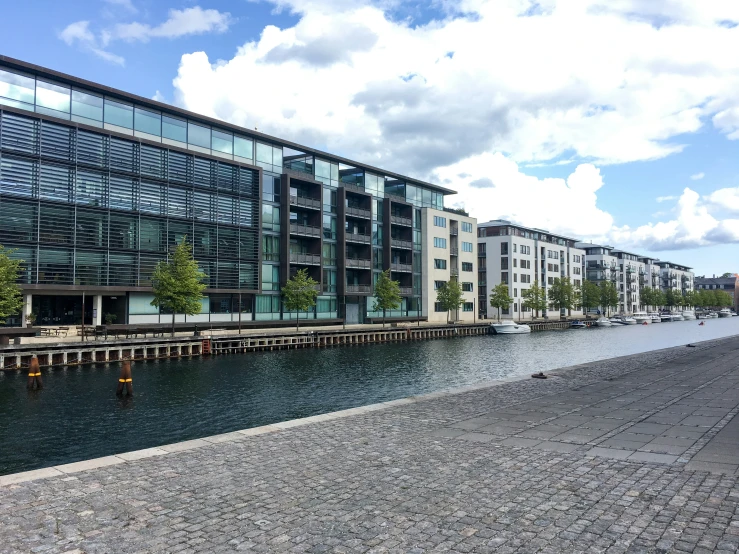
688	315
654	316
642	317
725	312
509	327
628	320
665	317
603	322
617	320
577	324
676	316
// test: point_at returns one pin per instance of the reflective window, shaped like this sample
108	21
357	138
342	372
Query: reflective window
198	135
323	169
52	99
244	148
148	122
87	108
222	142
16	89
174	129
118	114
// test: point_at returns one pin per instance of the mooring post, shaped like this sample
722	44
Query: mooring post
34	374
125	379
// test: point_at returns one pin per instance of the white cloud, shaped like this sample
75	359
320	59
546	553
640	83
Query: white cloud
697	176
126	5
726	200
188	21
666	198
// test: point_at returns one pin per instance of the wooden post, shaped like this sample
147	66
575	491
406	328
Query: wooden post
34	374
125	379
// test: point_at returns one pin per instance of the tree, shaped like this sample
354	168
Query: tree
608	296
590	295
689	298
646	295
562	294
299	294
670	299
728	275
535	298
659	298
11	301
387	294
178	283
449	295
499	297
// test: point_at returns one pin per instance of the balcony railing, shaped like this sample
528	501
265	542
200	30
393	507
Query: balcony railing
404	268
454	251
358	263
359	212
352	187
397	243
357	237
305	202
453	231
399	220
305	259
406	291
358	289
305	230
454	272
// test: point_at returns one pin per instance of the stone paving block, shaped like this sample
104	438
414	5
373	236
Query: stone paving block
700	421
184	445
609	453
556	446
649	457
32	475
516	441
697	465
141	454
476	437
85	465
448	433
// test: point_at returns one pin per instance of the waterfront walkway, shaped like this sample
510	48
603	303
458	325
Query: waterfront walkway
634	454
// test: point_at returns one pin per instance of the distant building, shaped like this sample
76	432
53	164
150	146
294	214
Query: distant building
726	284
519	256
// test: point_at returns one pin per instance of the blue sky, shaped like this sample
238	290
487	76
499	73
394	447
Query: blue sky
415	87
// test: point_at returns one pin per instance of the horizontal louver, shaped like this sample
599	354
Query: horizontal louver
153	162
19	134
92	149
123	156
57	142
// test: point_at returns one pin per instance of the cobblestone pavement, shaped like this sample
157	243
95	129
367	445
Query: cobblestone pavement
635	454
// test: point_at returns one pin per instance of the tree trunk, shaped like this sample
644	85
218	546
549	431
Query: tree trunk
297	321
173	323
383	318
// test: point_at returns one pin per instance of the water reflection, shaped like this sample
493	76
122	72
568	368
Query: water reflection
77	415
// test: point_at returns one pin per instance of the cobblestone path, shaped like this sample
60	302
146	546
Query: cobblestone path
634	454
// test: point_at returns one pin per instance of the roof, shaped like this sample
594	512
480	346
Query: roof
126	96
716	280
673	265
505	223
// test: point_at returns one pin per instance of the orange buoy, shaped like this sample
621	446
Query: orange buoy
34	375
125	380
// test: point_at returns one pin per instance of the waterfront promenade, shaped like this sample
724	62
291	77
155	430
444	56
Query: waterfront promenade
633	454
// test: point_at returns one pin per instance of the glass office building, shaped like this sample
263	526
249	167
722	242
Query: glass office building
96	185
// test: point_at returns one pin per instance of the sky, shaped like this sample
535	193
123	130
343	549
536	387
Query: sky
614	121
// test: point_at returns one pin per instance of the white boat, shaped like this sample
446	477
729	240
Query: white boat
509	327
726	312
712	315
654	316
688	315
603	322
577	324
628	320
677	316
642	317
618	320
665	317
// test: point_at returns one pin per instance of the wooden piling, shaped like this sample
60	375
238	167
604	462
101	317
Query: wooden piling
125	380
34	374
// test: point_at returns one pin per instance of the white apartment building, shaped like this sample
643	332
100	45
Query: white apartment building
677	277
449	250
519	256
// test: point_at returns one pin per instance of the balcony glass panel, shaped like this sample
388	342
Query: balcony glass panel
174	129
117	113
52	99
244	148
87	108
198	135
148	122
222	142
17	90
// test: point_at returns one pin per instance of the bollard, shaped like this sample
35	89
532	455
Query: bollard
34	374
125	379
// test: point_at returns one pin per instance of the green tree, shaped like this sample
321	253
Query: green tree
534	298
646	296
590	295
562	294
450	296
299	294
659	298
670	299
387	294
11	301
723	298
728	274
178	282
499	297
608	296
689	298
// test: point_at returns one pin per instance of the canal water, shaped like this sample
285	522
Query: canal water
77	415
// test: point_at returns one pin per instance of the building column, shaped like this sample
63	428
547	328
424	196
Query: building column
97	309
27	307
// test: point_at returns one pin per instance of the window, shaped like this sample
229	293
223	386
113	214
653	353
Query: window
147	122
198	135
271	248
467	287
270	277
576	270
504	277
468	307
525	249
481	249
222	142
52	99
515	293
174	129
466	247
17	90
515	277
466	266
514	247
525	278
504	263
576	258
270	218
118	114
439	221
515	262
86	108
550	280
244	148
439	264
466	227
439	284
504	248
439	242
437	307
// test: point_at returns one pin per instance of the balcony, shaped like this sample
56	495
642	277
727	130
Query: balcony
358	212
359	238
305	259
358	289
305	202
454	251
399	220
453	231
402	268
454	272
358	263
305	230
405	244
406	291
